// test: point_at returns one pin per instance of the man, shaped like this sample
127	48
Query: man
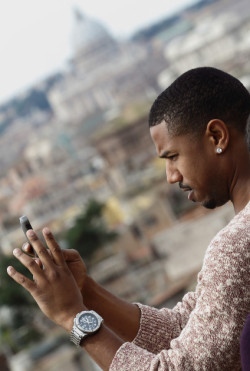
198	126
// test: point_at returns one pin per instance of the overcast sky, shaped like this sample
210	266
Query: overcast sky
35	34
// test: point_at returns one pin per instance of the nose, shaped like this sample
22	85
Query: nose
173	175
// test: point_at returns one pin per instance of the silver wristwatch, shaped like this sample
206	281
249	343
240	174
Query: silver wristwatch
86	323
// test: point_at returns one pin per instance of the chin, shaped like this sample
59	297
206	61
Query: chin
212	203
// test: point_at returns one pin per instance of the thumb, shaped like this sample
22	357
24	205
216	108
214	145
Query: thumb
71	255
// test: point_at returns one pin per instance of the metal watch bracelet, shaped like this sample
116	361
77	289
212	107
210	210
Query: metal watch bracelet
76	336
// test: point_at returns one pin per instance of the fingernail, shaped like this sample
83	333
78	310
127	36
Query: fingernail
46	230
25	245
10	270
30	233
17	252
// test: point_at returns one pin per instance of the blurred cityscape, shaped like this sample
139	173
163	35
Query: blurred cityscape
81	135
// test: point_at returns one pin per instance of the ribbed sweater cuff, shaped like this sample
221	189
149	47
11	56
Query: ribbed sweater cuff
155	330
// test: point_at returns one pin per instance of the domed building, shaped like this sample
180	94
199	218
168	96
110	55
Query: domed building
105	75
91	42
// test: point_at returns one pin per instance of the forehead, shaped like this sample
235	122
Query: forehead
163	141
161	137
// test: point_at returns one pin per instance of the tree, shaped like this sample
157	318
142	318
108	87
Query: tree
90	232
12	294
20	331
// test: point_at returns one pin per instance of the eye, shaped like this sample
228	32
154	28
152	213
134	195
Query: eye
172	157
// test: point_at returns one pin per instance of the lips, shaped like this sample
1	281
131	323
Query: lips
186	188
191	195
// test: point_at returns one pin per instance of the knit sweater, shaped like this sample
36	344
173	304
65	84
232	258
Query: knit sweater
203	331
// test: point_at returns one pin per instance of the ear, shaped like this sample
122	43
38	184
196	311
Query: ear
218	134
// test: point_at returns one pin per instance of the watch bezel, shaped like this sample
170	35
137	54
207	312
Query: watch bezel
96	315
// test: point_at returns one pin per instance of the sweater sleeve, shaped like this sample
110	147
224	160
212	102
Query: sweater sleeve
169	322
207	338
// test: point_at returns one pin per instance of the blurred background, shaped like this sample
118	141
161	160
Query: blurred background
77	79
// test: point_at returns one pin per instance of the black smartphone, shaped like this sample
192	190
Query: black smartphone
25	224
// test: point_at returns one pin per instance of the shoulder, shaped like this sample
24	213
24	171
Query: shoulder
236	235
228	254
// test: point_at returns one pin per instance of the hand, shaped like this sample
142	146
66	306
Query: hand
73	260
54	287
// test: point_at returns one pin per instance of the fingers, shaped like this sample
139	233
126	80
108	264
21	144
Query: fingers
29	263
53	246
21	279
28	249
46	257
40	249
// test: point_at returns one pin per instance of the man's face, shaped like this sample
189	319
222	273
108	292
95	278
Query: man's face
193	164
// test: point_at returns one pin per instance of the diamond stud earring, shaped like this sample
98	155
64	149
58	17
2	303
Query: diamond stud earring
219	150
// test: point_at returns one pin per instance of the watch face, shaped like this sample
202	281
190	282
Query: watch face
88	322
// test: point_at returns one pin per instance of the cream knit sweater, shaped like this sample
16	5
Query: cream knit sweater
203	331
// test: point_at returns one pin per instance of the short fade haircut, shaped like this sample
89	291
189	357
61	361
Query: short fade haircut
198	96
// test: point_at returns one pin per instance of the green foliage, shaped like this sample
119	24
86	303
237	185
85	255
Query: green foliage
11	293
148	33
20	332
4	124
90	232
35	99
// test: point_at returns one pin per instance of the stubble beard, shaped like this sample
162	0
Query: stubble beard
214	202
210	204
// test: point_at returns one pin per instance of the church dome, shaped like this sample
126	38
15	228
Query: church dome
87	32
